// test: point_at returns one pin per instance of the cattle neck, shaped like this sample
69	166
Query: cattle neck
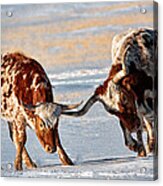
102	89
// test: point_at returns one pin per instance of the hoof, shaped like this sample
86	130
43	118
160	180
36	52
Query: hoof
142	154
18	167
71	163
133	147
141	151
68	163
18	164
32	165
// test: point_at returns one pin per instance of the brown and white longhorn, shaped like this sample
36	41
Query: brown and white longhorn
27	100
128	91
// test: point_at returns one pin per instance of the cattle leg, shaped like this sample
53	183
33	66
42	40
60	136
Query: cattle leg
19	138
62	154
130	142
150	136
141	148
26	159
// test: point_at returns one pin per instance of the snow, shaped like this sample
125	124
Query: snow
130	168
95	141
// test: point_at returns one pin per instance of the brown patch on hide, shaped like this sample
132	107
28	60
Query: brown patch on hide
129	121
138	81
28	67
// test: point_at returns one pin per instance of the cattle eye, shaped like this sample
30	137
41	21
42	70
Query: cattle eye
124	99
42	125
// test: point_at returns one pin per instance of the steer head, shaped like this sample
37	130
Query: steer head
127	110
117	100
45	122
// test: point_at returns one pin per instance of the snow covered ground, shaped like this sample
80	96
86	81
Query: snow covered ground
95	144
130	168
77	60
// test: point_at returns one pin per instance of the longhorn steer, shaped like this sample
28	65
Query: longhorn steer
136	51
125	93
27	100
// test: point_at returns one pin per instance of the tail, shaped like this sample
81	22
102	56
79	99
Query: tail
85	109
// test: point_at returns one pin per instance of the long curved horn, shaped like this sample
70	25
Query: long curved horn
69	107
124	72
63	107
85	109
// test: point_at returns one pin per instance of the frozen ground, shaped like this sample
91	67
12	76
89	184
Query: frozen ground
73	43
130	168
94	142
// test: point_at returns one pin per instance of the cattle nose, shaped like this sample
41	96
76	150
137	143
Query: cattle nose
49	149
